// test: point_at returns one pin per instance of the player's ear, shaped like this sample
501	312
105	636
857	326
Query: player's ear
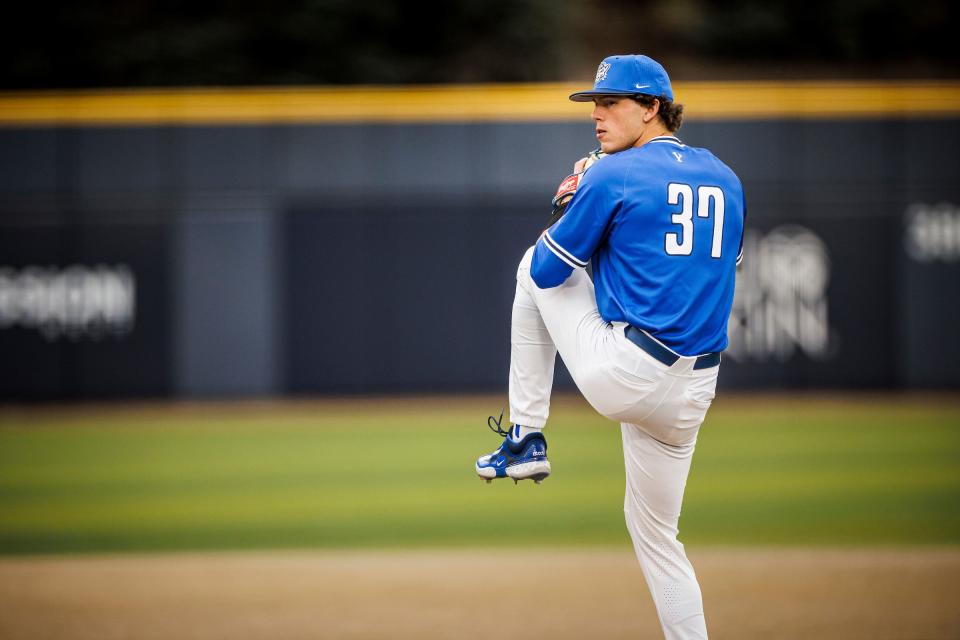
651	111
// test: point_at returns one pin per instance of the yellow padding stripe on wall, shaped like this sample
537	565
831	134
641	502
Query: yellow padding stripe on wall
465	103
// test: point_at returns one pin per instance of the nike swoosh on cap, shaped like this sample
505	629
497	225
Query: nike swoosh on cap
641	86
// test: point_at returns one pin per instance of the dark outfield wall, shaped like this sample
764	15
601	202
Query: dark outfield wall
225	261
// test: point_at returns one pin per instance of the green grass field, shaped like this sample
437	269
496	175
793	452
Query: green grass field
865	470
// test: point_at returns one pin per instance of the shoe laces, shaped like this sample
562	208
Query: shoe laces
494	425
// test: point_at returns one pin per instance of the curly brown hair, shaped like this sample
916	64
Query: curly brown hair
670	112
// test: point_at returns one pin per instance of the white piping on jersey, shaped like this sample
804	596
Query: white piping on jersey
562	253
671	139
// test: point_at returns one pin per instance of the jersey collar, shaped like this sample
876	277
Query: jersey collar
671	139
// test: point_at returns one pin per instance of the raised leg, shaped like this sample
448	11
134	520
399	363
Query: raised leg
545	321
532	359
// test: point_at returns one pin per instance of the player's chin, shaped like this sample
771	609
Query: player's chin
612	147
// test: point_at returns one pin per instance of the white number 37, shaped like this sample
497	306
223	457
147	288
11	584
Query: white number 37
680	243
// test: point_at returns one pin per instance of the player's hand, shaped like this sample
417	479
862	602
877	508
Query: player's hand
592	158
569	185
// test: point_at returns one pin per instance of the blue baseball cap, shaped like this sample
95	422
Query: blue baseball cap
628	76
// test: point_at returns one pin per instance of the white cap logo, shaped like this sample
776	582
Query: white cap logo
602	72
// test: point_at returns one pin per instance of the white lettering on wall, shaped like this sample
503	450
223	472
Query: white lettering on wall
933	232
73	302
780	307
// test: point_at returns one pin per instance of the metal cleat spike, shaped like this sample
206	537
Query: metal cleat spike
488	480
515	481
538	481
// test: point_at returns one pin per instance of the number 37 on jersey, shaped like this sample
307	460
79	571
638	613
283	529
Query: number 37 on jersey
708	202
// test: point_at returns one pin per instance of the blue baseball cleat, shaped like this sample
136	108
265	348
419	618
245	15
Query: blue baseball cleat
518	460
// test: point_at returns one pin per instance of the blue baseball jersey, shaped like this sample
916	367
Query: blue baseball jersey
663	226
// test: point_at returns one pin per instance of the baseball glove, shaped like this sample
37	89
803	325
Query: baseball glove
569	185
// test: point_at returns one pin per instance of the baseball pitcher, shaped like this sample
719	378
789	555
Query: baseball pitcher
662	224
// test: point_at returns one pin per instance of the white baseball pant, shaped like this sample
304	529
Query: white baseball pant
660	409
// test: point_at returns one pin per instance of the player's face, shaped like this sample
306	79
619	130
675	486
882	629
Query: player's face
619	122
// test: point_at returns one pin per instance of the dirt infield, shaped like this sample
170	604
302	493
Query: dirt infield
551	594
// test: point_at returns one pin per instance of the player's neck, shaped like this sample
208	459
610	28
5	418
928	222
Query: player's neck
651	132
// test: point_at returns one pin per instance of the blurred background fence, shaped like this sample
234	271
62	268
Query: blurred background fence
269	242
223	200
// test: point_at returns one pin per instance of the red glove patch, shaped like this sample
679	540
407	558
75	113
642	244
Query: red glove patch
567	188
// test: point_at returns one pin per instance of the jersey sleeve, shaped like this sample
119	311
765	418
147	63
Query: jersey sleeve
743	231
570	243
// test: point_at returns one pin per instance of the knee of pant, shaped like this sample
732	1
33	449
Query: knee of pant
655	531
525	262
523	271
658	547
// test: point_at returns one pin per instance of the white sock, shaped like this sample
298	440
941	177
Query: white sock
518	432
